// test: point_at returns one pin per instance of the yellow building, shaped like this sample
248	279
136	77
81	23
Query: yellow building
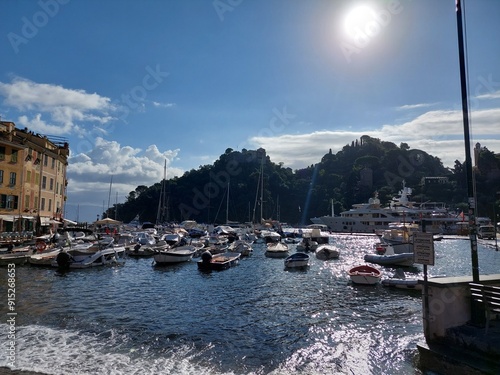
32	178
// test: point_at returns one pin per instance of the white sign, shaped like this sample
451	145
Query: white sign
423	248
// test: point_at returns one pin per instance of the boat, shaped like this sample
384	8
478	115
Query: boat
44	258
297	260
140	251
101	253
276	250
241	246
412	284
365	274
176	254
307	245
326	252
13	258
371	217
403	259
218	262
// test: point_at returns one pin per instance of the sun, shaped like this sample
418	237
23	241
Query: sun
358	19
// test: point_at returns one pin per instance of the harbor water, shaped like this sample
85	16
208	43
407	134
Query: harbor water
255	318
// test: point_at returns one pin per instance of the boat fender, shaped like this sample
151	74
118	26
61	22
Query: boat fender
63	259
206	257
41	246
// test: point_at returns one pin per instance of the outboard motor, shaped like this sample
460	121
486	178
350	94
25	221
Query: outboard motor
63	260
206	257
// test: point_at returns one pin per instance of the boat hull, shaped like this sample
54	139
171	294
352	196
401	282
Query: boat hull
218	262
174	256
297	260
404	259
365	275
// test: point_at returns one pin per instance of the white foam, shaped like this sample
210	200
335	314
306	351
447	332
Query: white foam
65	352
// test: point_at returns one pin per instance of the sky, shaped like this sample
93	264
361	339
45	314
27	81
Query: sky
134	84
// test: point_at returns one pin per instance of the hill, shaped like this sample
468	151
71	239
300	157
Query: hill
231	188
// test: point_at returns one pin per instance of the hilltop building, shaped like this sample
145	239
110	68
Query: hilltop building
32	178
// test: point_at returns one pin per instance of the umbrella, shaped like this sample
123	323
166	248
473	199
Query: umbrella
107	221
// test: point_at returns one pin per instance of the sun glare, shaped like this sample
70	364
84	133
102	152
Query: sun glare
358	19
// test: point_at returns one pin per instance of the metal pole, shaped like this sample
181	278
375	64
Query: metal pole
468	161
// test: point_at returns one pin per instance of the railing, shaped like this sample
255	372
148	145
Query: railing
489	297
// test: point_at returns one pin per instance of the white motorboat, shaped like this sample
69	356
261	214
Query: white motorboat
175	254
297	260
100	253
276	250
326	252
241	246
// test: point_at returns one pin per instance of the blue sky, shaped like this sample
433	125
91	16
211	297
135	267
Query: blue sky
131	84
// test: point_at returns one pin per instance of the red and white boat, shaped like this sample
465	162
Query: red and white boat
365	274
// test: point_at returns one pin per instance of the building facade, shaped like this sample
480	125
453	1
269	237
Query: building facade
32	178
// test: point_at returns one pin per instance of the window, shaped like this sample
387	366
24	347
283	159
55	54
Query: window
26	202
42	208
35	203
11	202
50	204
2	153
53	163
45	160
57	187
12	179
13	156
1	176
28	176
37	179
51	186
44	182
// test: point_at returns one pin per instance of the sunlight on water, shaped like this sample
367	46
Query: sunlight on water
254	319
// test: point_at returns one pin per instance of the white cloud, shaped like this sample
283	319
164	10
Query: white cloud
439	133
164	105
62	107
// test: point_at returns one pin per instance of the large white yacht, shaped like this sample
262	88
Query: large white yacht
371	217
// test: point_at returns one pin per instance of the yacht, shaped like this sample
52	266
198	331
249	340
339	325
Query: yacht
371	217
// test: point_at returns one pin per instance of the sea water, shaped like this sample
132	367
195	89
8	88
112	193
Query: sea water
255	318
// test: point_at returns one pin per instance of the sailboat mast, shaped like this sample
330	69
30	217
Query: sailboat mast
468	159
161	201
227	204
262	189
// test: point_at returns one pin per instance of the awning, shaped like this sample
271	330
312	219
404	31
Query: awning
7	218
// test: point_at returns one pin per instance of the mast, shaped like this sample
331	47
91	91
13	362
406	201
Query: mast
227	204
161	201
261	189
468	161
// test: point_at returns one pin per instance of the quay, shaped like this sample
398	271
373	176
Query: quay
458	338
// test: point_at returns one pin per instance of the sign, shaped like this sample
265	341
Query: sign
423	248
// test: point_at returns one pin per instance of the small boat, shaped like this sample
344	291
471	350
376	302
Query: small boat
276	250
411	284
175	254
13	258
101	253
404	259
365	274
241	246
326	252
44	258
218	262
297	260
140	251
390	258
